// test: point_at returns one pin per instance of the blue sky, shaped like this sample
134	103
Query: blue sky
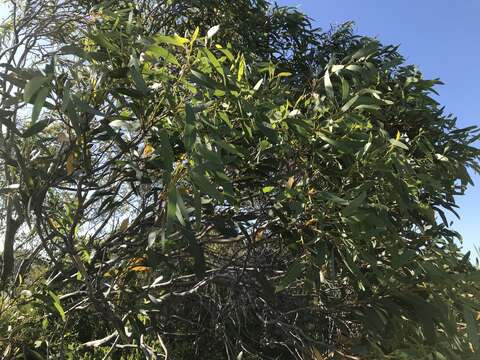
442	38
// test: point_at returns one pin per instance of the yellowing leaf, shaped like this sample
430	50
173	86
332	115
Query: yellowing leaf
398	135
195	35
172	40
136	260
70	163
140	268
148	150
241	69
55	224
290	182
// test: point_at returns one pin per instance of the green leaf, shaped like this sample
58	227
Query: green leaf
349	104
338	144
58	306
166	148
328	85
362	102
32	354
190	131
292	274
399	144
354	204
171	40
9	125
171	207
352	267
399	260
74	50
194	36
85	107
332	197
182	211
32	87
39	102
214	61
197	205
367	51
367	102
227	53
472	327
345	89
206	186
267	189
229	147
158	51
36	128
138	80
202	79
196	251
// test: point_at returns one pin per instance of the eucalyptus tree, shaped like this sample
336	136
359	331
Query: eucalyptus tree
215	179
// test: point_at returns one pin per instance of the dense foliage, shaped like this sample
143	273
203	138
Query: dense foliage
217	179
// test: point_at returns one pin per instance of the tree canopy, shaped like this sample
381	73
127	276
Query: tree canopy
219	179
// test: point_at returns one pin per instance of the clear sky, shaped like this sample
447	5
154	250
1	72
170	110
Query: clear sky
442	38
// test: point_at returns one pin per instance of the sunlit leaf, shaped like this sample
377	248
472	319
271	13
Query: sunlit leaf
212	31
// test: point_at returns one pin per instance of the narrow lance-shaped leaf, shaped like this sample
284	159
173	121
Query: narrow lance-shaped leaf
171	40
366	51
58	306
36	128
32	87
212	31
292	274
206	186
39	102
345	88
472	328
328	85
171	207
158	51
354	204
214	61
399	144
139	81
190	128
